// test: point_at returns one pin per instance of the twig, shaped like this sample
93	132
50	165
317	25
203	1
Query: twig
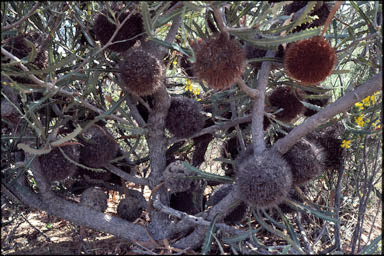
213	128
337	205
342	104
258	106
220	22
253	93
302	232
126	176
47	238
15	24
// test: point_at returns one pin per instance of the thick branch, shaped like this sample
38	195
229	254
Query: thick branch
258	106
341	105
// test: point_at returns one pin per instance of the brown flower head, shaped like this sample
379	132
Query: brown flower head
219	61
141	72
184	117
55	166
284	97
99	147
132	206
104	30
94	198
310	61
263	181
304	158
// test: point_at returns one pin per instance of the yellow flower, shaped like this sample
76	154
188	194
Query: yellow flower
376	125
174	62
196	91
366	101
198	99
359	121
188	85
346	144
359	105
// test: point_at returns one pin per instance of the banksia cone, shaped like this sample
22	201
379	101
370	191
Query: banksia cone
131	207
104	30
310	61
99	147
237	214
177	177
141	72
94	198
55	166
263	181
304	159
284	97
184	118
219	61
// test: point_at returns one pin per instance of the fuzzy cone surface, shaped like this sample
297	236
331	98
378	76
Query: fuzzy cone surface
310	61
104	30
141	72
263	181
129	208
237	214
94	198
99	147
55	166
304	159
184	118
284	97
219	61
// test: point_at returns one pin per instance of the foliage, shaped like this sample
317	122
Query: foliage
81	87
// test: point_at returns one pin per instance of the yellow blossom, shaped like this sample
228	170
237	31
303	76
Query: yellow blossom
366	101
174	62
359	105
359	121
346	144
198	99
376	125
188	85
196	91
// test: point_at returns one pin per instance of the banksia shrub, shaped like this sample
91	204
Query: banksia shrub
237	214
141	72
309	61
99	147
284	97
304	158
104	30
94	198
263	181
131	207
219	61
184	118
55	166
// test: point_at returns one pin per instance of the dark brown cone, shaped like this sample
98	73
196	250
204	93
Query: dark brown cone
284	97
219	61
310	61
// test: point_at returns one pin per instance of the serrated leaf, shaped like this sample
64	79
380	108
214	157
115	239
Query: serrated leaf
301	20
208	176
166	18
311	106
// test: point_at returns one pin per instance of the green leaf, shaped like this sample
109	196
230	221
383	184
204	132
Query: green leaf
69	78
166	18
301	20
242	237
371	28
146	18
373	247
311	106
208	236
273	41
172	46
208	176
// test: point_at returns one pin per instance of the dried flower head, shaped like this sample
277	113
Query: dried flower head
55	166
310	61
263	181
104	30
304	158
94	198
237	214
285	98
141	72
99	147
219	61
189	201
184	117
